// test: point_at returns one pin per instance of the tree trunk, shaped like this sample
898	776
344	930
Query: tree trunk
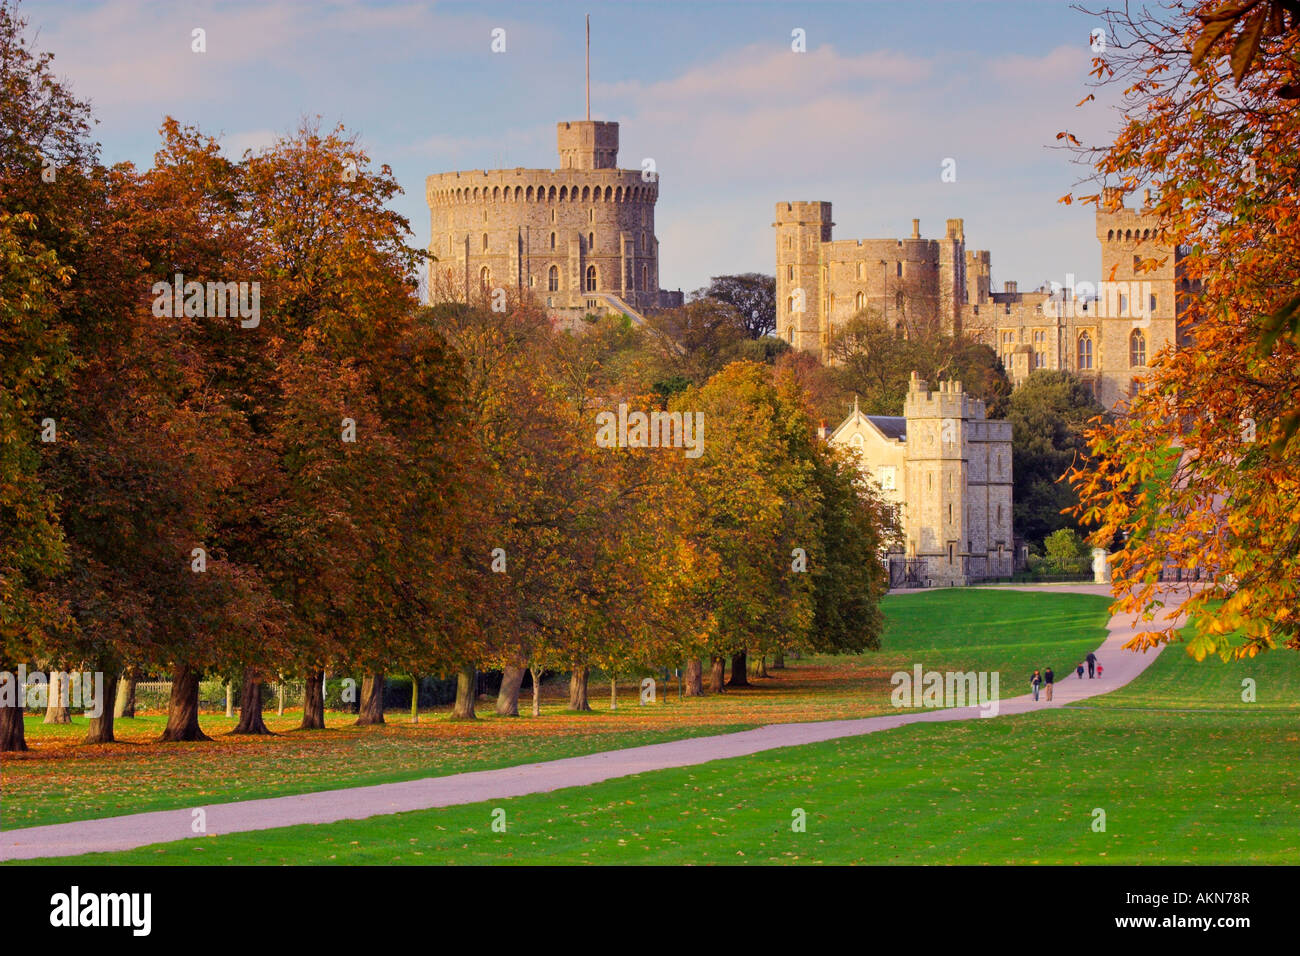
512	678
762	666
124	705
101	727
778	661
694	678
578	689
613	694
372	700
183	707
313	701
466	692
250	707
537	691
415	699
230	700
739	664
279	697
717	670
12	698
56	711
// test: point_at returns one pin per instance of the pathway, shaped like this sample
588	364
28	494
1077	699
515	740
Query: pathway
355	803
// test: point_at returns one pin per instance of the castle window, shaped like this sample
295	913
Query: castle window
591	278
591	215
1085	351
552	240
950	513
1137	349
564	193
645	280
789	242
792	332
861	301
950	555
898	300
899	268
485	240
1137	262
862	270
591	241
789	273
553	279
1153	305
999	519
484	278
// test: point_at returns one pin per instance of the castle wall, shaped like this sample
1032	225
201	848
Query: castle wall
509	228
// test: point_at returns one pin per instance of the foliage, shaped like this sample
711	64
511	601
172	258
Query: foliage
1222	148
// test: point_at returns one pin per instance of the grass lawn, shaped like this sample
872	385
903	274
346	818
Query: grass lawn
1185	772
61	780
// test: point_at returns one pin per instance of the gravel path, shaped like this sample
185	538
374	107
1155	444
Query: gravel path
141	829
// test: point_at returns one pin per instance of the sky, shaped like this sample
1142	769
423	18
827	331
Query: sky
734	119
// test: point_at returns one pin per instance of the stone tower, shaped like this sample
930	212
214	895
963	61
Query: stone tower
957	518
1136	312
578	239
801	228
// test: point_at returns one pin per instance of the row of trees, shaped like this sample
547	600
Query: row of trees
335	478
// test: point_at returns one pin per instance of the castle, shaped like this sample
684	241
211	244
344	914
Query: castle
946	469
1106	334
580	238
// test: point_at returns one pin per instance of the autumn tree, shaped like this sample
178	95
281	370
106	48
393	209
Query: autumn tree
1220	143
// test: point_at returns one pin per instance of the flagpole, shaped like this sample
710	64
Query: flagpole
589	67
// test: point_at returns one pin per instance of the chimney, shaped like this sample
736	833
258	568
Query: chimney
1009	287
916	229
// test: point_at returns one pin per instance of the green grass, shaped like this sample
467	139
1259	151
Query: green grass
994	629
961	629
1185	772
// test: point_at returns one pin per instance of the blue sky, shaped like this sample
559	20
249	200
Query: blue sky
734	119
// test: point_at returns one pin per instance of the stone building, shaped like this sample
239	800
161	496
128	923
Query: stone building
947	469
1106	332
579	239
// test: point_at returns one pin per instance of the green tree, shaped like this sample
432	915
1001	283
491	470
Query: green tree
752	294
1049	415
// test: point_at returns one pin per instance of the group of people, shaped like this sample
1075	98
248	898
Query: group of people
1045	679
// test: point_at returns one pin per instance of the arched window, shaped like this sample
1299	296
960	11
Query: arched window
591	278
862	270
553	279
552	240
1137	349
586	193
484	277
1085	351
645	281
856	442
591	241
860	301
564	192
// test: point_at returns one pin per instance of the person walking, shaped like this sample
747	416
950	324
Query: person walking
1092	664
1099	670
1048	679
1035	681
1079	670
